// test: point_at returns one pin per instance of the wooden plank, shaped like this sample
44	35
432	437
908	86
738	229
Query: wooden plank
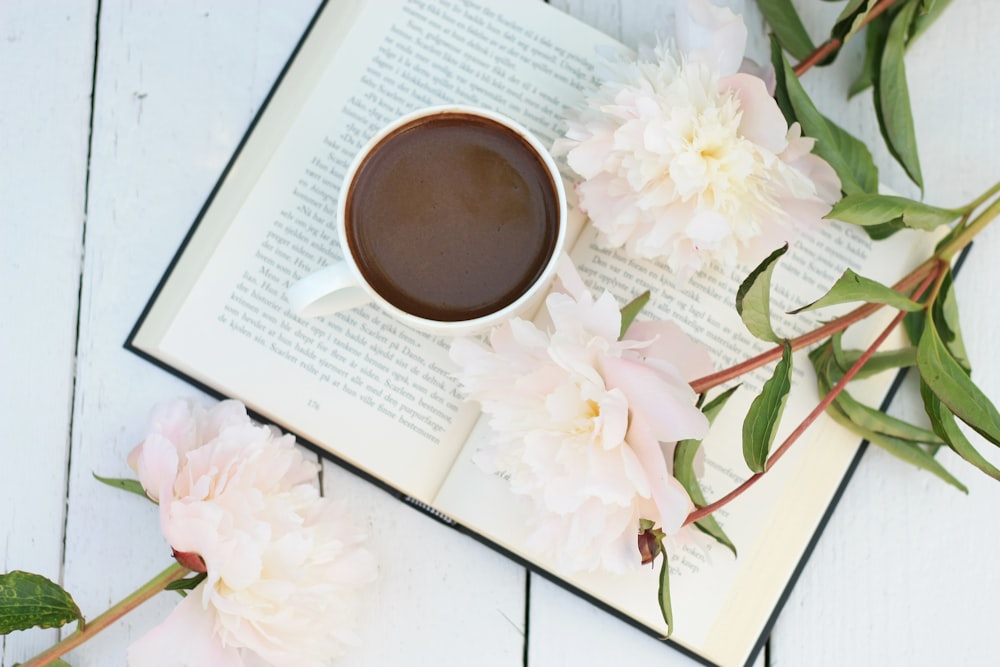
903	576
46	61
563	628
177	84
439	594
888	581
906	572
166	123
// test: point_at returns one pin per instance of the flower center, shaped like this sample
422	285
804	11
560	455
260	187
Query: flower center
714	163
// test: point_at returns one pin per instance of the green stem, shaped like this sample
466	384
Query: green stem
701	385
702	512
953	247
944	254
983	198
86	631
831	45
942	273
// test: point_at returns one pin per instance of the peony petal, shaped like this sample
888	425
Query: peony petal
589	157
678	506
570	278
773	237
156	465
467	352
672	501
585	318
684	259
666	407
797	144
184	639
761	120
763	72
635	472
707	229
710	34
178	421
225	415
669	342
823	177
280	559
613	419
520	334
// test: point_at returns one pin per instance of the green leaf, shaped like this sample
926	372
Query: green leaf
31	601
130	485
58	662
875	34
913	324
879	362
714	407
892	96
875	421
780	86
849	157
631	310
945	313
873	209
857	156
928	12
953	386
830	373
851	19
753	298
787	27
684	454
908	451
764	416
663	594
182	585
885	230
852	287
875	39
914	454
944	424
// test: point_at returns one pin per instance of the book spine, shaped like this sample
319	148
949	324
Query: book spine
427	509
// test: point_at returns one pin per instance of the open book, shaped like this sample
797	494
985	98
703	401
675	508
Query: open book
380	398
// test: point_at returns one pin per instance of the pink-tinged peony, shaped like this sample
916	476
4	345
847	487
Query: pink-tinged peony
686	157
583	424
284	565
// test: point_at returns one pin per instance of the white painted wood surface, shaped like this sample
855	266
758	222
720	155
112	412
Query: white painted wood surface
45	64
904	575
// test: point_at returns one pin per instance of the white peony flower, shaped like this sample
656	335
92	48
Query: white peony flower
584	424
685	158
283	564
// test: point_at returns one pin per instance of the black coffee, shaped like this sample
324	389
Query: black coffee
452	217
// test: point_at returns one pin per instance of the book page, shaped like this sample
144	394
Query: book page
369	390
721	603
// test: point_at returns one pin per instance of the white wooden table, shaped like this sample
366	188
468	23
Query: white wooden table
115	121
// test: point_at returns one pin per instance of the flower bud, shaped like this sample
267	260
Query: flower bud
190	560
649	545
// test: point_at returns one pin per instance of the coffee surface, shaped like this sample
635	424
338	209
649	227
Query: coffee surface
452	218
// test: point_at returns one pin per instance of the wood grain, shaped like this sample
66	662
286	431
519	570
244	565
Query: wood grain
176	86
45	58
904	574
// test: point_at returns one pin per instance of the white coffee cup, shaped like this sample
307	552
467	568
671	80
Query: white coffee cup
420	188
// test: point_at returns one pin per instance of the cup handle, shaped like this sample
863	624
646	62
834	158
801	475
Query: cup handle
328	290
